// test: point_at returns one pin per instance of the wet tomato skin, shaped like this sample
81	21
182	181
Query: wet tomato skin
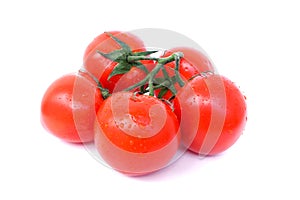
68	115
136	134
212	113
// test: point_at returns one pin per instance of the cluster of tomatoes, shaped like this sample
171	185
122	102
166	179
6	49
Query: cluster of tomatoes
141	106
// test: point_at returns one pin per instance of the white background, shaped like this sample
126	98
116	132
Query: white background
254	43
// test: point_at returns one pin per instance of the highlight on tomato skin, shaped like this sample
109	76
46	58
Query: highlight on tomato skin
69	117
136	134
220	111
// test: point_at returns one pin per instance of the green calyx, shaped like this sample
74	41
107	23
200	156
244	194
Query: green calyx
164	84
126	59
121	57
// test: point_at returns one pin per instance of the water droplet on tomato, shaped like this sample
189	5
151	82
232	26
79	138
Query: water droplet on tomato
141	126
121	125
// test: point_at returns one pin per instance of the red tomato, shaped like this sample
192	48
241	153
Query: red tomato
193	62
102	67
212	114
136	134
132	77
68	108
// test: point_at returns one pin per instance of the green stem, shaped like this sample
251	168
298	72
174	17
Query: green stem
131	59
167	77
104	92
150	76
151	89
177	75
170	58
163	61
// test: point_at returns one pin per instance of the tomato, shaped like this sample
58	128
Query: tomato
68	108
133	76
212	114
192	63
102	67
136	134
